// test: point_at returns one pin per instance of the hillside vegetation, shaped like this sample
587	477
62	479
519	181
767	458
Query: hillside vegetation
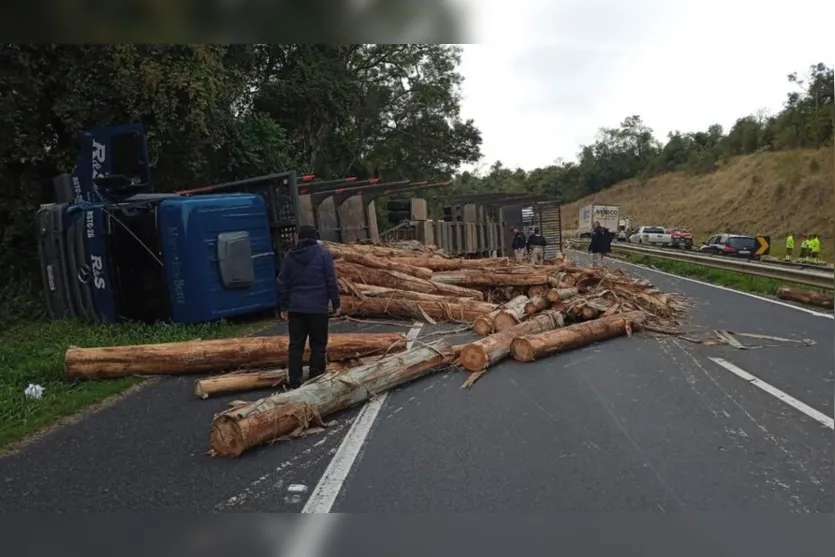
769	193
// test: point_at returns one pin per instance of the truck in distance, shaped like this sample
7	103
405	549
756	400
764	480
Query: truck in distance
607	215
651	236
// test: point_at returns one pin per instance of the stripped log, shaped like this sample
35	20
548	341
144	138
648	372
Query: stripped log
373	262
485	325
441	264
509	317
205	356
401	281
287	414
537	304
806	297
559	294
481	354
531	347
481	279
425	310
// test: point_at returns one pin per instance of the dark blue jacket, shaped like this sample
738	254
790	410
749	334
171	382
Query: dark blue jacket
601	241
307	281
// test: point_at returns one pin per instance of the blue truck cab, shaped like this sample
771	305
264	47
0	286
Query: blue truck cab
111	249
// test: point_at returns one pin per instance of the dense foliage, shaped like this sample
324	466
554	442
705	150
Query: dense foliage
631	150
222	112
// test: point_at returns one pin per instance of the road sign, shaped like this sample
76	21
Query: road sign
763	245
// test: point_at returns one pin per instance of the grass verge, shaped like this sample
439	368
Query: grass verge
34	353
721	277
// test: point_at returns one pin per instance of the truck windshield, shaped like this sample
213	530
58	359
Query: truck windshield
653	230
135	258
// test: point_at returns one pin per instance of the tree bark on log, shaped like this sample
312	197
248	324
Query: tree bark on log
376	251
532	347
440	264
204	356
242	428
488	279
806	297
479	355
485	324
429	310
339	252
400	281
537	304
509	317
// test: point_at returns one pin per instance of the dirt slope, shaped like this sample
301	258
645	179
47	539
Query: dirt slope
764	193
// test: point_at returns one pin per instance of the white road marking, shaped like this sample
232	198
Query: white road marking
725	288
777	393
331	482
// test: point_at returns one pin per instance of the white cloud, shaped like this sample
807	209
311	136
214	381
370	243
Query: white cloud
548	73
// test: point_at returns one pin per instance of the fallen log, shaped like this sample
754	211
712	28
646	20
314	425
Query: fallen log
426	310
479	355
487	279
376	251
537	304
373	262
806	297
485	324
559	294
362	290
401	281
509	317
531	347
440	264
263	379
204	356
241	428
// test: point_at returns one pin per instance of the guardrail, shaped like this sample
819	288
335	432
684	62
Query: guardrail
818	278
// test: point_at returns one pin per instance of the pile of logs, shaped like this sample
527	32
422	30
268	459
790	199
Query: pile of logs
522	311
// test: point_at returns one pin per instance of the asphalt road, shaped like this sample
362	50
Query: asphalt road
648	424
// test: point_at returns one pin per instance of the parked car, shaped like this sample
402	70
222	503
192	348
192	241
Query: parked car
681	238
732	245
651	236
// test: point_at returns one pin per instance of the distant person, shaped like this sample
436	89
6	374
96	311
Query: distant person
518	244
600	243
815	248
789	246
804	248
306	283
536	245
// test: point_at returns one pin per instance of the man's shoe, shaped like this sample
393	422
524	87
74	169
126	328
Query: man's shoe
293	384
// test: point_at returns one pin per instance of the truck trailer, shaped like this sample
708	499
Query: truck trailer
607	215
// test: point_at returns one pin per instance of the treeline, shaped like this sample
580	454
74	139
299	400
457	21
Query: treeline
631	150
215	113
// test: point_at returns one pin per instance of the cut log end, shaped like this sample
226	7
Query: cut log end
226	438
483	326
473	358
505	320
522	350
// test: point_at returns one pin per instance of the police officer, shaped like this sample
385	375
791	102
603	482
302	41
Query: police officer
804	248
536	245
518	244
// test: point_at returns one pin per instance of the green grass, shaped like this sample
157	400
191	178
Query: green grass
721	277
33	352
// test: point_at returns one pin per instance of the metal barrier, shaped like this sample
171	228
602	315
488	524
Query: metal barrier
808	277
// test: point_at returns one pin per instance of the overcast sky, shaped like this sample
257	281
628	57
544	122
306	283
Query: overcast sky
547	74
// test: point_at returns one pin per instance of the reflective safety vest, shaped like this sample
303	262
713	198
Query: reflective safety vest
816	245
804	244
790	242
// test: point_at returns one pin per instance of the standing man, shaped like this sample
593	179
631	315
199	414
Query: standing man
306	283
518	244
815	248
536	245
789	246
804	248
600	244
